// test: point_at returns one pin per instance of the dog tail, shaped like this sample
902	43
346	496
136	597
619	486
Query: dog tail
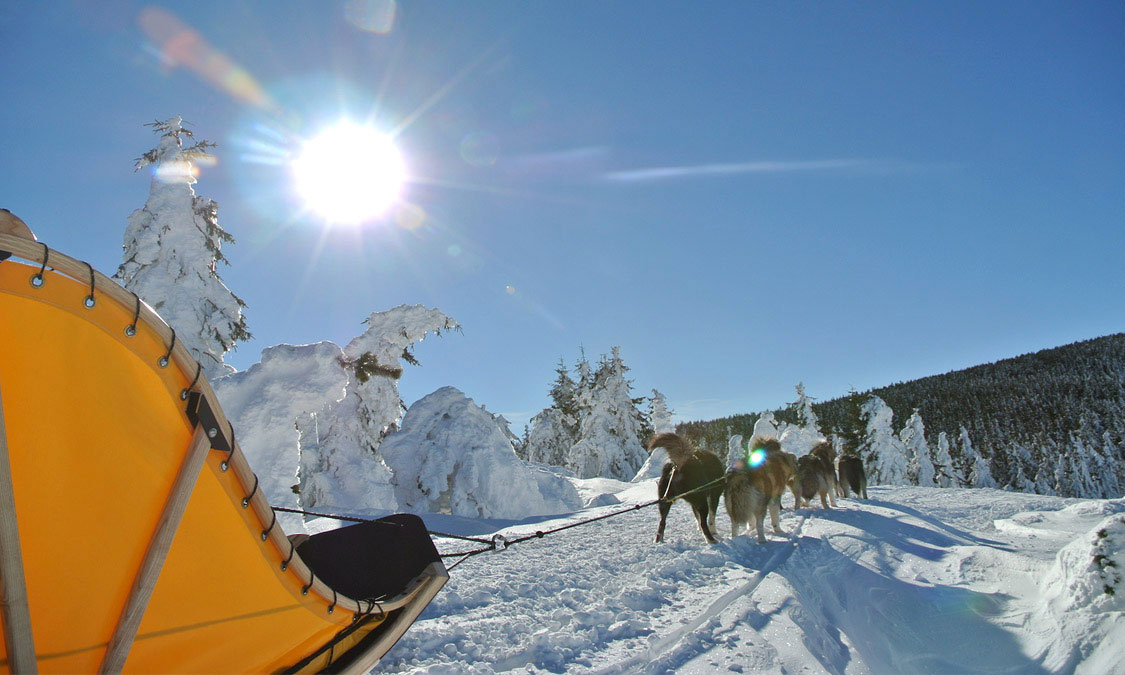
809	484
767	443
825	451
679	448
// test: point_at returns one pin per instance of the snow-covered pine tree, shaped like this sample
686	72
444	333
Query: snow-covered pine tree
978	471
1079	461
339	464
551	437
1109	469
884	455
920	468
1023	468
555	429
802	436
1045	473
943	462
803	411
660	417
610	443
171	247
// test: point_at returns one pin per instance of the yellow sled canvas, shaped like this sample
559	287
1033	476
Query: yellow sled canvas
133	535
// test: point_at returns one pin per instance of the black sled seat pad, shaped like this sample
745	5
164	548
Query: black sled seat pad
372	560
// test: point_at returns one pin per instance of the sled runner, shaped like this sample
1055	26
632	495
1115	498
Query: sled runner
133	535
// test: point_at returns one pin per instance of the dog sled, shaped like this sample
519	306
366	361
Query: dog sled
133	535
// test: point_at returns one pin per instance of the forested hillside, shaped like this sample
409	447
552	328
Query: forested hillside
1052	421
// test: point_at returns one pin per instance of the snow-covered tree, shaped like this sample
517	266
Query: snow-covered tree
555	429
802	437
451	457
265	400
977	470
609	442
551	436
883	453
660	417
1045	474
171	247
803	410
1080	461
1109	482
349	431
920	468
564	391
1023	469
943	462
766	426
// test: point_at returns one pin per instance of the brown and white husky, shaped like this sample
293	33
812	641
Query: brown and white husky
757	484
816	476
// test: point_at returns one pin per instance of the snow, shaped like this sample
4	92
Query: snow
917	579
263	403
451	457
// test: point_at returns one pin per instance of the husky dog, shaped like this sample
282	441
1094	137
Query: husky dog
686	470
758	485
852	475
815	475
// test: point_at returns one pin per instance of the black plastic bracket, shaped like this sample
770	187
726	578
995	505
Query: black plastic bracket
200	414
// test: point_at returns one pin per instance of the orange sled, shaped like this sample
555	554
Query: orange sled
133	537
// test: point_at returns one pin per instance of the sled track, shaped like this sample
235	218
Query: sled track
664	644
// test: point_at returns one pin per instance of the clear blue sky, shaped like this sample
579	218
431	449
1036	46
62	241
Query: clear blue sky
741	195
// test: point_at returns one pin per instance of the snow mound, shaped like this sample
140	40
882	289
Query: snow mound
1087	573
263	403
451	457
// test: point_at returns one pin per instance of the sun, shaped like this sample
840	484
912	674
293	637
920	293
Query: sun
349	173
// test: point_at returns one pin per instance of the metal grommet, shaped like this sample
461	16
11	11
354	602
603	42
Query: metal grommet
37	280
332	607
131	330
224	465
162	362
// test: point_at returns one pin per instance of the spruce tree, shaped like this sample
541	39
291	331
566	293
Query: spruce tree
171	247
943	462
920	468
610	436
978	472
884	455
660	417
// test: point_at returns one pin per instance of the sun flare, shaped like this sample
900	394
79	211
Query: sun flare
349	173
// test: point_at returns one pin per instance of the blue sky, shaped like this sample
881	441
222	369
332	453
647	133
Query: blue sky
740	195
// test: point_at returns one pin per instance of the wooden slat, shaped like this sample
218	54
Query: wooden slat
434	577
16	615
157	552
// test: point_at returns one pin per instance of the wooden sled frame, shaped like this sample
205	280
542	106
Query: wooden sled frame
213	447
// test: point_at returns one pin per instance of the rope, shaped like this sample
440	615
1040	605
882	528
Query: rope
498	541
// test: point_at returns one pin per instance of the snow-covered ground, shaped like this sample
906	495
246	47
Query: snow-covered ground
913	580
